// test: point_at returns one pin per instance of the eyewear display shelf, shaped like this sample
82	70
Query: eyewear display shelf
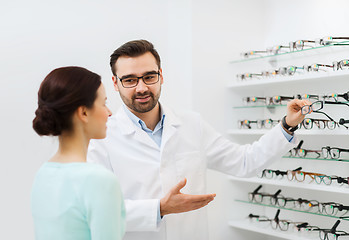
246	225
327	49
322	82
297	78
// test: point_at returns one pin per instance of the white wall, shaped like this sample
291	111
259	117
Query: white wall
38	36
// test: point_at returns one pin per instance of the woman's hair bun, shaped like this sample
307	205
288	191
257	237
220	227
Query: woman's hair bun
46	121
63	91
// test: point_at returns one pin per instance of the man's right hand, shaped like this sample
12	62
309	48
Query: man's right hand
177	202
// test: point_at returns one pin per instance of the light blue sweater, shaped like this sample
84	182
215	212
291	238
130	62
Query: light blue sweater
77	201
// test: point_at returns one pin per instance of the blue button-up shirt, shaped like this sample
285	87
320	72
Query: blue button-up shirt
156	135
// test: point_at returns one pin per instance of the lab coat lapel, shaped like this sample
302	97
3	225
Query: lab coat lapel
171	123
129	128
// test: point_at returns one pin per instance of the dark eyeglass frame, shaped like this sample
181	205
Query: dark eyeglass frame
323	233
328	40
312	121
306	109
327	151
141	77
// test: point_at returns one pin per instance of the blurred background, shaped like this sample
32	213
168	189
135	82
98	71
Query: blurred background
196	41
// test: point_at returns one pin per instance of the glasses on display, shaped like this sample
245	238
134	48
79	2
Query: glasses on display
247	100
335	96
274	100
301	175
308	123
148	79
301	44
307	205
277	174
298	45
333	233
341	65
252	53
302	153
318	67
258	197
333	152
248	75
276	49
291	70
332	208
329	179
329	40
260	123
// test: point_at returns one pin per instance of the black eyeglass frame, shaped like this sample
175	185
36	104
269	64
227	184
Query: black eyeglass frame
141	77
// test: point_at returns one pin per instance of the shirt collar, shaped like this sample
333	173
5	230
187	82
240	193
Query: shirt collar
140	123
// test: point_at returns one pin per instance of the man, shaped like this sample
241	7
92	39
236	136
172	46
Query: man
161	158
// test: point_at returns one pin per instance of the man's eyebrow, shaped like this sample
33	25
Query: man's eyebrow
134	75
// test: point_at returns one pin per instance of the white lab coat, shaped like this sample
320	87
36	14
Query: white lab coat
189	146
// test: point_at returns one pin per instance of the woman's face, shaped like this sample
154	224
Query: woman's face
98	116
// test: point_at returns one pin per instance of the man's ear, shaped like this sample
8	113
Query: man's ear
161	77
115	81
82	114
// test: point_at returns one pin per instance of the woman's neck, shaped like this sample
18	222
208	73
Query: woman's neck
72	148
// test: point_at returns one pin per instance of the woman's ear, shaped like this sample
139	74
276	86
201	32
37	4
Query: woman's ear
82	114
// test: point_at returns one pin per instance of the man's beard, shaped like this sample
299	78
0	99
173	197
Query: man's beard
140	107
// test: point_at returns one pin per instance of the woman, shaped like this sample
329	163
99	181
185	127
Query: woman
73	199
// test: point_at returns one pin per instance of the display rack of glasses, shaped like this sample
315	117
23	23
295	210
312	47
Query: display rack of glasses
323	78
246	225
297	185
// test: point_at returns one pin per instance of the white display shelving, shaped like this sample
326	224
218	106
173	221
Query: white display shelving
312	132
293	184
268	231
311	83
306	77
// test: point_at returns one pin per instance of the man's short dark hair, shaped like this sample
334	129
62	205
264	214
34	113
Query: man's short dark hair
133	49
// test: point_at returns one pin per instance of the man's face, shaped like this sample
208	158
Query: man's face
141	98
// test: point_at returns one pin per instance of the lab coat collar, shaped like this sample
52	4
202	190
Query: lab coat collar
129	127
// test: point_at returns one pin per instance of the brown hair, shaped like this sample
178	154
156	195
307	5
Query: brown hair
133	49
60	94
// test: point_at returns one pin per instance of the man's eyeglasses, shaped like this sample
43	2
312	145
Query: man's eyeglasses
148	79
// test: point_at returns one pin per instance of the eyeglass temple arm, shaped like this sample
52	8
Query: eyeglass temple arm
257	189
325	115
300	144
341	103
277	193
297	169
333	229
276	218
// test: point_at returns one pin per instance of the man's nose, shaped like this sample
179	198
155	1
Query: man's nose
141	86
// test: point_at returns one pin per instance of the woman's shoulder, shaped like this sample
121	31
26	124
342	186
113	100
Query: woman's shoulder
96	172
